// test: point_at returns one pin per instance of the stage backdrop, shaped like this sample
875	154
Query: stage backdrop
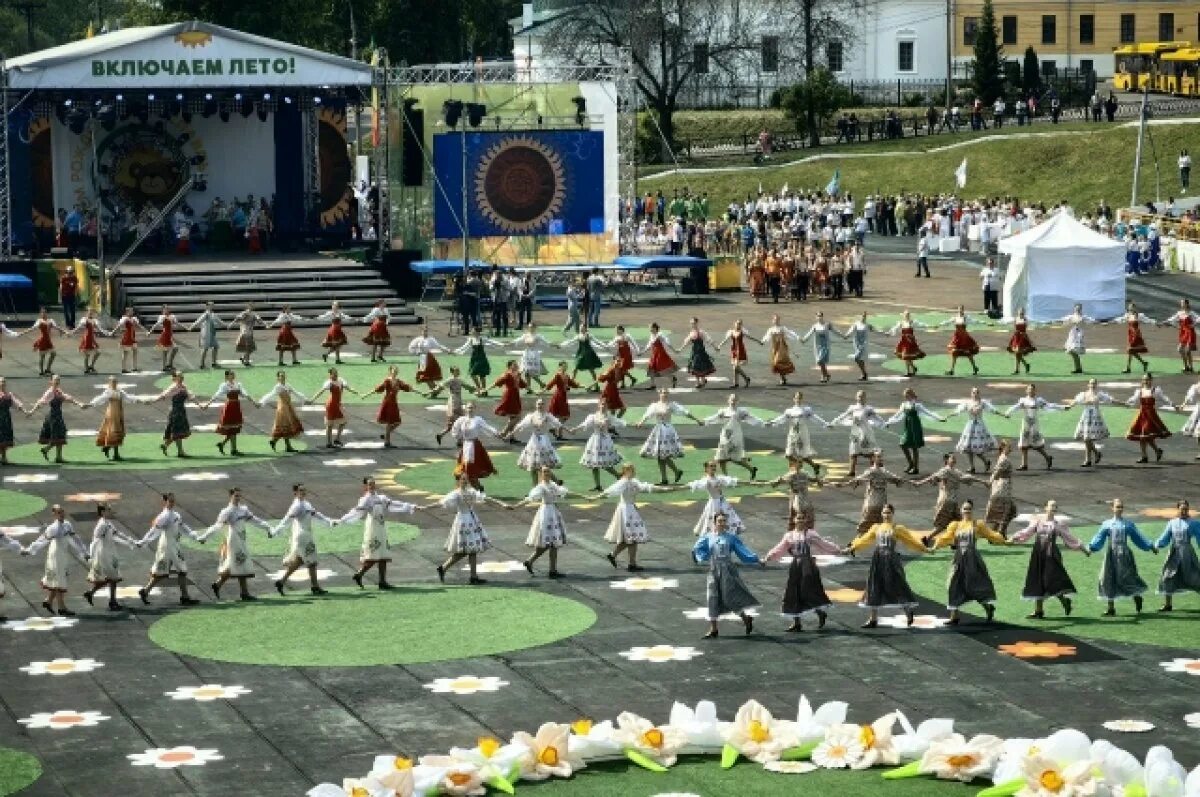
519	183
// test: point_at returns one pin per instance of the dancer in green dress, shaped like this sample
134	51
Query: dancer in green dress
912	438
586	358
478	367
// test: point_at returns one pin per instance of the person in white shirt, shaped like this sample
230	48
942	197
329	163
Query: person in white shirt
989	279
923	254
372	508
61	546
303	549
168	528
235	554
1185	170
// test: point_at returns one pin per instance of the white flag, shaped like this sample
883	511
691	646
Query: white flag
783	191
960	174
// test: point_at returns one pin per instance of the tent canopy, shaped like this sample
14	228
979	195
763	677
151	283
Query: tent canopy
181	55
1060	263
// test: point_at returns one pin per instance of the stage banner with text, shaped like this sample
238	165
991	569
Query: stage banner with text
519	183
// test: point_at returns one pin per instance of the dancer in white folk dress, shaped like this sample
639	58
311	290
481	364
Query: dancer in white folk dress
169	529
663	444
1091	427
1074	344
626	530
1192	400
975	440
798	446
538	452
717	504
7	543
532	345
473	459
235	561
862	419
547	531
425	346
104	569
375	552
731	444
303	549
600	452
1031	433
61	545
467	538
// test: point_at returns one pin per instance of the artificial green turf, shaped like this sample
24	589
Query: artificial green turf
704	776
15	505
927	575
1047	364
345	538
17	770
141	452
353	628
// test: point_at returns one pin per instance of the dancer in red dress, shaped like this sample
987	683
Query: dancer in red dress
738	357
625	348
961	343
907	348
335	418
89	343
429	372
286	341
229	422
1019	344
1147	427
558	386
286	426
128	326
610	381
166	324
389	409
509	408
660	363
1185	319
44	344
378	337
1135	345
335	337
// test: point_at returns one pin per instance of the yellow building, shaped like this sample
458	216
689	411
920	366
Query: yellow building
1076	34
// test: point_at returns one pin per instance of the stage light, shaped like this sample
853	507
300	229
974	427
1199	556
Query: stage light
150	98
287	100
452	111
580	110
238	96
316	100
475	113
179	98
120	98
267	97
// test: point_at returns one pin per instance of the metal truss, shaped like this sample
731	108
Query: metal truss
627	121
311	130
501	72
6	221
381	156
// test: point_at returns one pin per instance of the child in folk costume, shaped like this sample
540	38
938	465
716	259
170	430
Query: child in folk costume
286	425
1046	576
1186	320
887	586
61	545
726	592
912	436
699	364
975	440
54	429
609	383
303	549
532	345
229	423
169	529
454	387
1181	570
372	508
235	561
104	569
558	386
1135	344
862	420
626	531
876	478
1074	344
599	452
388	415
177	429
804	593
948	478
207	322
8	400
907	348
1019	344
624	349
286	341
738	356
43	344
731	444
335	416
961	343
467	538
1031	433
510	383
127	327
859	335
781	357
478	367
663	444
89	343
1001	508
165	325
800	505
659	362
539	451
1147	428
377	337
820	333
547	531
1091	426
424	345
1192	426
335	336
1119	575
111	435
473	460
245	321
7	543
586	358
798	447
969	578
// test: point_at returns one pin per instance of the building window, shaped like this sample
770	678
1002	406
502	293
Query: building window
770	54
1049	68
1009	29
1166	27
700	58
970	30
1049	28
1087	66
1128	29
833	54
905	56
1087	29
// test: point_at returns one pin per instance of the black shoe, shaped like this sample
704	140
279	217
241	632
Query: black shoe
1066	604
1137	603
710	635
612	560
279	586
794	627
87	596
144	594
821	617
272	442
65	613
554	574
635	568
908	613
870	624
1110	613
247	598
318	591
990	610
188	602
113	606
528	566
441	571
1166	607
748	621
216	588
357	579
476	580
1035	616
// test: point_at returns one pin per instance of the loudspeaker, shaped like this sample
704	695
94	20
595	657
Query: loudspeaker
412	157
396	267
700	279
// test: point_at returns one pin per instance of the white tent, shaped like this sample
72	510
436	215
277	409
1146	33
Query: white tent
1062	262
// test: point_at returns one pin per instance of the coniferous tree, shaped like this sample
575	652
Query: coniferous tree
986	69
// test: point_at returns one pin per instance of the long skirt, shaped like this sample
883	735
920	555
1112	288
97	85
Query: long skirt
869	517
539	453
230	419
1000	512
945	513
54	428
718	506
586	358
1091	425
600	452
303	550
6	429
699	363
547	529
799	442
245	343
975	438
1147	426
467	535
286	341
479	467
335	336
287	423
1119	575
626	526
112	428
663	443
726	590
804	592
1181	571
478	364
431	370
1031	434
781	357
105	566
887	586
235	556
375	547
1046	576
56	575
168	558
178	427
969	579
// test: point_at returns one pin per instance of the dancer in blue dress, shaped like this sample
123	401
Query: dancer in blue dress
726	590
1181	571
1119	575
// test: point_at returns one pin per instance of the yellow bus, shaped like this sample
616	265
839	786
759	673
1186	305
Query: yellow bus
1137	65
1178	72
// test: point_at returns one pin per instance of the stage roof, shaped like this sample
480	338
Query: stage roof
180	56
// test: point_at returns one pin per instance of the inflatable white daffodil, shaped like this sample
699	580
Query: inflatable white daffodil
1065	747
953	757
661	744
705	734
593	741
1048	777
547	753
758	736
811	725
912	742
877	743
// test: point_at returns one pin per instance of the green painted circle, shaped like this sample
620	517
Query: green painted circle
703	775
345	538
329	631
15	505
1007	566
17	771
141	452
1049	363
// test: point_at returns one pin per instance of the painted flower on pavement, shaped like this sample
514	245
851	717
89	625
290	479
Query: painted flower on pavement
349	462
841	748
361	444
87	498
956	758
757	735
207	693
1193	719
1129	726
61	720
844	595
20	531
201	476
172	757
61	666
649	584
1189	666
1037	650
701	613
131	592
659	743
923	621
661	653
40	624
790	767
511	566
547	752
302	575
31	478
465	684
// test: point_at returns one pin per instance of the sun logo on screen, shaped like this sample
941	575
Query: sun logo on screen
193	38
519	184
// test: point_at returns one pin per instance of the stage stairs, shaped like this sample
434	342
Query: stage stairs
308	283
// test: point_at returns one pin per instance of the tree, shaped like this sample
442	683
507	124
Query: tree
1031	76
987	76
810	104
